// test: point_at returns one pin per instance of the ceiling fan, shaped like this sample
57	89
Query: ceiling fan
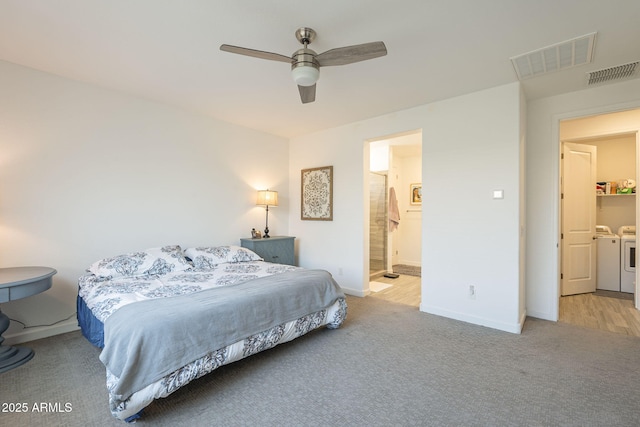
305	63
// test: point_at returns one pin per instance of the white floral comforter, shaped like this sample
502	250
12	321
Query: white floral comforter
105	296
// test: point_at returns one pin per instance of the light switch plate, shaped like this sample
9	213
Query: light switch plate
498	194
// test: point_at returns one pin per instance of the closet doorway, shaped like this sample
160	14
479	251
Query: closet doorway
395	215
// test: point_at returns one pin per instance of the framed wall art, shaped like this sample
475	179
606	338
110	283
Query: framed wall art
317	194
415	194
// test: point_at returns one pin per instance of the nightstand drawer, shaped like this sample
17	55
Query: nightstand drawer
278	249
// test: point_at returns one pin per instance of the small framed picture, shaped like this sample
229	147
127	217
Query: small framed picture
415	194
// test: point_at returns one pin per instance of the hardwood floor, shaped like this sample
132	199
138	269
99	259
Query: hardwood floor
404	290
587	310
601	312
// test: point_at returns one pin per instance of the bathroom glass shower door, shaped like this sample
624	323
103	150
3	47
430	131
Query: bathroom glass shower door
378	223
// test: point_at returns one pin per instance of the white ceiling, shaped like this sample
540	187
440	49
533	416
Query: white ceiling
168	51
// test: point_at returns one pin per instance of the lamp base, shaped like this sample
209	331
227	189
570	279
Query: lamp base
266	223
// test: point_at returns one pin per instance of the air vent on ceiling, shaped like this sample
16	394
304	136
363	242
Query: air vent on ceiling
571	53
619	72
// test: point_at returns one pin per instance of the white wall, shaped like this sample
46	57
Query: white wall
379	158
87	173
408	235
471	146
542	167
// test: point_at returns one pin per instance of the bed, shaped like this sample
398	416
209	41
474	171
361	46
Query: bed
164	317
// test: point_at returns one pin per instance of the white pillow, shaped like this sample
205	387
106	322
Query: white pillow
150	261
207	258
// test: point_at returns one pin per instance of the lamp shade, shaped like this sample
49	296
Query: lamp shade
267	198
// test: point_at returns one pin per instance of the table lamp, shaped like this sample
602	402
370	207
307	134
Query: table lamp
267	198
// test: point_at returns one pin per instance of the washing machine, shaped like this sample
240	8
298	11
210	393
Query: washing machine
627	235
607	259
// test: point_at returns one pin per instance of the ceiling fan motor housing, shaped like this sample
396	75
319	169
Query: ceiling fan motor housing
305	68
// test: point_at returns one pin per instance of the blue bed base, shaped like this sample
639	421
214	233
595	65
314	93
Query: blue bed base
92	329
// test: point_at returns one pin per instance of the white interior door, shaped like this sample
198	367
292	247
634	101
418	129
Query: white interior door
578	218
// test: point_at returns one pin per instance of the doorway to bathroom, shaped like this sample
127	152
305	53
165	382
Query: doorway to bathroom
394	218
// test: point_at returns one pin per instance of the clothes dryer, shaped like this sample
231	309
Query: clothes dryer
627	258
607	259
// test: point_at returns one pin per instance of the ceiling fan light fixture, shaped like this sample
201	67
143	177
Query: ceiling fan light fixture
306	75
305	63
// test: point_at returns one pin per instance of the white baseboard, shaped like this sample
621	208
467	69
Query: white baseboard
32	334
523	318
354	292
514	328
542	315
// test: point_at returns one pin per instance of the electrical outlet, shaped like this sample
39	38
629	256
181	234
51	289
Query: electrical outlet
472	292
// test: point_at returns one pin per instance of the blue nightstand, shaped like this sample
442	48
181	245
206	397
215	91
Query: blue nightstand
277	249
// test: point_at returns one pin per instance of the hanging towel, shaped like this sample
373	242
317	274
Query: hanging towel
394	212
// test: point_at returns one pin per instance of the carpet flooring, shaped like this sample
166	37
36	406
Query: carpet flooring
389	365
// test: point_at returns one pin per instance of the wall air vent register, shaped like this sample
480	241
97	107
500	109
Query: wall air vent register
625	71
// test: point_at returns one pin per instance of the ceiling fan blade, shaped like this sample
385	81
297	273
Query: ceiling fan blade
351	54
255	53
307	93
